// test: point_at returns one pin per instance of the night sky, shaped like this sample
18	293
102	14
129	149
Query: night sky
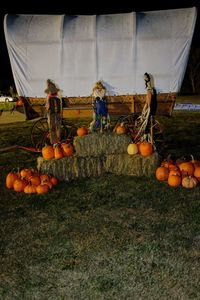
98	7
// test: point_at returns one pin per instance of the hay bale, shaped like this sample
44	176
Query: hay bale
98	144
74	167
69	168
133	165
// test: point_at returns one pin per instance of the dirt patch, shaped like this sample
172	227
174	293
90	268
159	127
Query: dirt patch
7	117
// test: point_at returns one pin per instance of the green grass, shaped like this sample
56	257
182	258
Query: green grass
112	237
7	105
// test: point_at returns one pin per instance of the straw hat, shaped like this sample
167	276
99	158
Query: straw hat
51	87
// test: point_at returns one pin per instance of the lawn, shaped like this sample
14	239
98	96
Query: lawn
112	237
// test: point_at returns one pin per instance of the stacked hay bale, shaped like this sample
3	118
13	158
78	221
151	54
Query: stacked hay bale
97	154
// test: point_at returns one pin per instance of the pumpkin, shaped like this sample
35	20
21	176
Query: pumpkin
67	149
42	189
174	180
19	185
121	129
162	173
44	177
175	172
10	178
26	173
81	131
48	152
132	149
187	168
146	149
20	102
58	154
35	180
53	180
167	162
197	173
189	182
30	189
195	162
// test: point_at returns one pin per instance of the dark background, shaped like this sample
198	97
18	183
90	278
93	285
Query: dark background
74	8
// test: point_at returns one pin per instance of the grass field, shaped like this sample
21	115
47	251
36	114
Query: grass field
112	237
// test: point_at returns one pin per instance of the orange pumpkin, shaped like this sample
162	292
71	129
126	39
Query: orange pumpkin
187	168
162	173
195	162
167	162
174	180
53	180
10	178
121	129
35	180
26	173
197	173
81	131
20	184
44	177
30	189
67	149
48	152
146	149
42	189
58	153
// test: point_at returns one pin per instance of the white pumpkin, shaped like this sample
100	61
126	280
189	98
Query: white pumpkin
132	149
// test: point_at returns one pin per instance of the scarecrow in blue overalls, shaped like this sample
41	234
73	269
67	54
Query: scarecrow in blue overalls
101	119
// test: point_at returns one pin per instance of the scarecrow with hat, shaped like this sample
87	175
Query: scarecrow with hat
54	111
101	119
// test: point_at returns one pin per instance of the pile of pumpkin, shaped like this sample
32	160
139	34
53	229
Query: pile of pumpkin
179	173
64	149
57	151
30	181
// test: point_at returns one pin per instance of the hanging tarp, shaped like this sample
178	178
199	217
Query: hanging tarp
77	51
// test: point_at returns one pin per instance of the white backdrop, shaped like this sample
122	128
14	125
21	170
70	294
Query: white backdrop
77	51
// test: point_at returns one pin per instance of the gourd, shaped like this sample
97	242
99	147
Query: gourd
189	182
132	149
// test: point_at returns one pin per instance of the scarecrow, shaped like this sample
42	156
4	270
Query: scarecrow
145	120
101	119
54	112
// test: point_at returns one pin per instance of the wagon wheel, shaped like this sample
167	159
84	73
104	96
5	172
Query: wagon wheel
128	122
131	124
40	132
158	136
69	131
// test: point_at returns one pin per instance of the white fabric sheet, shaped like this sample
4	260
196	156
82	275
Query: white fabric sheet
77	51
